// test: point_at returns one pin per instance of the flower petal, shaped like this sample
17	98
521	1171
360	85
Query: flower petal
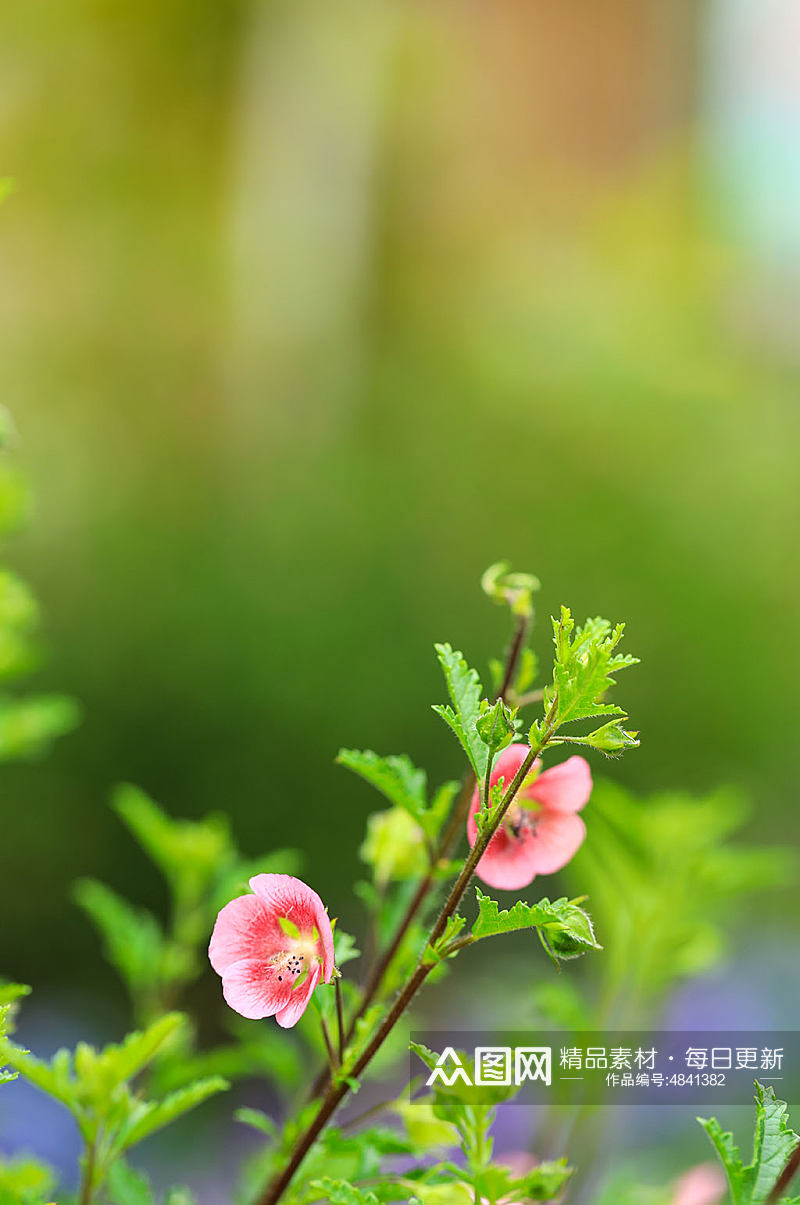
563	788
509	861
243	929
293	1011
556	839
508	762
251	987
286	896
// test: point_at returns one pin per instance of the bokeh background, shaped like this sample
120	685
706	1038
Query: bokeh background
308	312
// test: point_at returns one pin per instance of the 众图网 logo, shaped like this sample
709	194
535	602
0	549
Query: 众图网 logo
493	1065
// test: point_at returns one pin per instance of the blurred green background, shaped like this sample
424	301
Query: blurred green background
308	313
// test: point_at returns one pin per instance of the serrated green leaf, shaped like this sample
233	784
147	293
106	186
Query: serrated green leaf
396	777
563	923
464	688
773	1143
341	1192
584	664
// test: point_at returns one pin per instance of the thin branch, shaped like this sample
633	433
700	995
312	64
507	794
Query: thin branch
87	1179
340	1016
329	1045
786	1177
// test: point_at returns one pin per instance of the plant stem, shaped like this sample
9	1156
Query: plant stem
328	1045
336	1093
87	1178
339	1016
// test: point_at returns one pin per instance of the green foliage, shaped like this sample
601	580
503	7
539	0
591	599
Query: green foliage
399	780
96	1087
773	1143
28	723
341	1192
514	590
394	846
125	1186
496	725
464	688
25	1181
565	929
133	940
584	663
665	883
203	870
10	993
487	1179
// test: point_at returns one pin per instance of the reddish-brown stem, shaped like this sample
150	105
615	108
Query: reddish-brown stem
785	1178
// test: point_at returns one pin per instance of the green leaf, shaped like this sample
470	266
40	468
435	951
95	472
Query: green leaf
179	1195
28	725
257	1120
515	590
172	1107
565	926
25	1181
396	777
341	1192
344	947
773	1143
495	725
128	1187
584	664
464	688
394	846
133	940
188	852
138	1049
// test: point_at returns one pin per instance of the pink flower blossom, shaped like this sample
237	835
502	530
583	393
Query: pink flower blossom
272	948
540	831
701	1185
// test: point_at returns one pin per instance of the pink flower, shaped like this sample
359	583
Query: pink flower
272	948
540	832
701	1185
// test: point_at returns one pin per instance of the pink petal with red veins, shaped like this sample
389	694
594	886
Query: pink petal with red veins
509	861
563	788
286	896
252	988
291	1014
243	929
557	838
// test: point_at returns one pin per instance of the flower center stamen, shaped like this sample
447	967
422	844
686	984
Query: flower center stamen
520	821
289	964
